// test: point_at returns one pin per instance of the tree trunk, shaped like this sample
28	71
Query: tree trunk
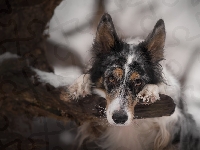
21	26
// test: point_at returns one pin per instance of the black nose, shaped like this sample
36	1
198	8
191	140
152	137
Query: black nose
119	116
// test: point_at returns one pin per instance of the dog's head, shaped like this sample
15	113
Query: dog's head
121	70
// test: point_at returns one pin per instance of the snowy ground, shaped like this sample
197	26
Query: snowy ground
69	53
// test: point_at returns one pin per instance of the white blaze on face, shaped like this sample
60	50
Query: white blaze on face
117	102
127	69
126	66
114	105
129	61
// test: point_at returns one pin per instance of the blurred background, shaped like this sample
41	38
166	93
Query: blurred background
72	30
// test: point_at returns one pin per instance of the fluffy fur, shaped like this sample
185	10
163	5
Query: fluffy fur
125	74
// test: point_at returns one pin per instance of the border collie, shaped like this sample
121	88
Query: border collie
124	74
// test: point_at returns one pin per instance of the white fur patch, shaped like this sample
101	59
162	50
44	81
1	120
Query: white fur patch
99	92
81	87
149	94
126	67
129	61
129	137
144	134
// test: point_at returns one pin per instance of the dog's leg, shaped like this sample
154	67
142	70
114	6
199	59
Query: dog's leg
149	94
81	87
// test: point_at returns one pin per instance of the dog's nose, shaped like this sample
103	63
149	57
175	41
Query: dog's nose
119	116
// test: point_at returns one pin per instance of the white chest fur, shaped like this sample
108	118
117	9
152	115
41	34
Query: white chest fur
143	134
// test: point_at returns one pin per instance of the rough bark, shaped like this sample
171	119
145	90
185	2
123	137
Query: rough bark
22	24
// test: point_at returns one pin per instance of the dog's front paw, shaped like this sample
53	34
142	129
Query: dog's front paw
81	87
149	94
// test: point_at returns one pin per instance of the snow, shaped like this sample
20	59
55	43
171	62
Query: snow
53	79
8	55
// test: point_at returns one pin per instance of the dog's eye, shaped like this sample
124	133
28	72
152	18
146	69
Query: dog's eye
138	82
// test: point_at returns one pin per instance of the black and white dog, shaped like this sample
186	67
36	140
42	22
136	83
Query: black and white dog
124	74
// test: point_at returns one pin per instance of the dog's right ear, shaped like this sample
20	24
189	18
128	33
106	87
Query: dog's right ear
155	41
106	36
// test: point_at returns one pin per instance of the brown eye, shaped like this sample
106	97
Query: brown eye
138	82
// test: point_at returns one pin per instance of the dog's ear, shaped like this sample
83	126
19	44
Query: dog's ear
155	41
106	36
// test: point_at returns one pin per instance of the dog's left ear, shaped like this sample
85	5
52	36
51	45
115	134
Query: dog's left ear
106	36
155	41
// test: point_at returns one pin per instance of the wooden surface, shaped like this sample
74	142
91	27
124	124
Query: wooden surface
95	106
163	107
